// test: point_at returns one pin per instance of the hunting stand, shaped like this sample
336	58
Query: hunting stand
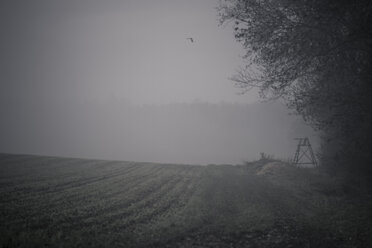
304	153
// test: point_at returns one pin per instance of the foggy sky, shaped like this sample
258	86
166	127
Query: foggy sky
119	80
191	133
135	50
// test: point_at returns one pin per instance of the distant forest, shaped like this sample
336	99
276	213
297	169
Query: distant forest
197	133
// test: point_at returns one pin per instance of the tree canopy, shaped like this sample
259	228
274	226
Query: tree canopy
316	55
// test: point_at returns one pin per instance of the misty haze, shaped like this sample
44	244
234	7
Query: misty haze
188	133
185	123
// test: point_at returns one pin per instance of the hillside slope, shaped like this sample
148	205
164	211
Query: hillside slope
60	202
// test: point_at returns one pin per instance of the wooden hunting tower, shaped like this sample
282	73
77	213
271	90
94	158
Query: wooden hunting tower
304	153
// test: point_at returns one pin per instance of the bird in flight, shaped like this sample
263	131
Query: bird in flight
191	39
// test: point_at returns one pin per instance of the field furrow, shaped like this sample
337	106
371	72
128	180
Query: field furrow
54	202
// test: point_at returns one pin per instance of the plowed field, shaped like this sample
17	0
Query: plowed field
60	202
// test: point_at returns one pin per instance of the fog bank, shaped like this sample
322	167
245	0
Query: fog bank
191	133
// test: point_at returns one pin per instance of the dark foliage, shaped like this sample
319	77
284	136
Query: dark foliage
317	56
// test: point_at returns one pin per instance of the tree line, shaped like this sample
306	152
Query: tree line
316	55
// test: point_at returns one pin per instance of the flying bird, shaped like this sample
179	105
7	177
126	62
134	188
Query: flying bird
191	39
